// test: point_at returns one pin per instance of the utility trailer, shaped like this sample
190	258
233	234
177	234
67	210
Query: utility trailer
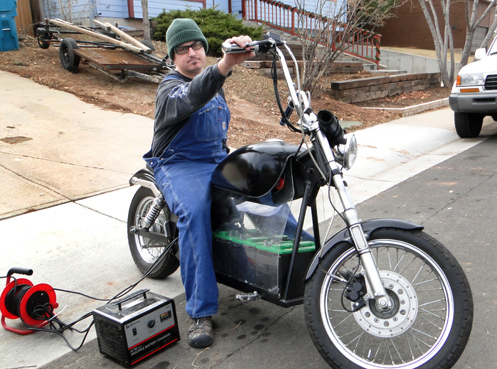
115	53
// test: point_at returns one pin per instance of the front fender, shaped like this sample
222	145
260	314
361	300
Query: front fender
344	236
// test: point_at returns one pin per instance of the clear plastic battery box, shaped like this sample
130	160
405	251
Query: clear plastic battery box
261	260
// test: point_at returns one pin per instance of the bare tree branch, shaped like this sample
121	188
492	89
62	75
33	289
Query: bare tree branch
443	45
325	33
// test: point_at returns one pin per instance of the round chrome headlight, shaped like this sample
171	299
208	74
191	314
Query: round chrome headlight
347	153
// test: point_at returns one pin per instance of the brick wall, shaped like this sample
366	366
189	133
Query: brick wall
409	28
378	87
264	67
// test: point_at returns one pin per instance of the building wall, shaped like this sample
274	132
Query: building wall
74	11
409	28
155	7
112	8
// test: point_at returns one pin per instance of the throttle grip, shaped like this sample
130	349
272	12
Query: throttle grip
235	49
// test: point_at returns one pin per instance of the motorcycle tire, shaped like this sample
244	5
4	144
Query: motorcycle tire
143	254
431	317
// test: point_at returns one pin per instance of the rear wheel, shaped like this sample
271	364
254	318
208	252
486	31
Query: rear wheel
146	251
468	125
431	317
68	59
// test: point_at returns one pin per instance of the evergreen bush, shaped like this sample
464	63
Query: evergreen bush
216	25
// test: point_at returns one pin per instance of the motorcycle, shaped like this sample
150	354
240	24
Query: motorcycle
380	293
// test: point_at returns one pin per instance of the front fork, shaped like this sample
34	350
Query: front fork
372	275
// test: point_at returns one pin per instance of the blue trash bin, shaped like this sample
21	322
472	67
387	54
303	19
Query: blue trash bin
8	30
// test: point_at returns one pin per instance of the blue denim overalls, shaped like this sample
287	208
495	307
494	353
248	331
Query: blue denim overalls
183	173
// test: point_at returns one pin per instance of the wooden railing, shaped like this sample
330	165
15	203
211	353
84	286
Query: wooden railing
360	43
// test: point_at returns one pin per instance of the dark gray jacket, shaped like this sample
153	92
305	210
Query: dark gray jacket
177	98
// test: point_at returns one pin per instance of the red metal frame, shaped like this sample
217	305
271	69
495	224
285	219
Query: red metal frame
283	17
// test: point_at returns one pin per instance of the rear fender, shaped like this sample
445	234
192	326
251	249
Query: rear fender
344	236
144	177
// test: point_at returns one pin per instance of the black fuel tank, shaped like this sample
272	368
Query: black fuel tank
254	170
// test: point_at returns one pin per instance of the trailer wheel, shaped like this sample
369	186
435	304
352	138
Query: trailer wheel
42	40
68	59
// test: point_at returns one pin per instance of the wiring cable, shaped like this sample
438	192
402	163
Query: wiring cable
45	312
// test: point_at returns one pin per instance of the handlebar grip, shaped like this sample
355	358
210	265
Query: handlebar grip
24	271
256	46
235	49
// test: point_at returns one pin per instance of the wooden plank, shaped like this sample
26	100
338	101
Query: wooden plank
124	36
36	12
24	19
116	59
124	45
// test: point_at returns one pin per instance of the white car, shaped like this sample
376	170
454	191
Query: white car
474	94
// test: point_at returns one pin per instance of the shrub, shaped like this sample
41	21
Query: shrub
216	25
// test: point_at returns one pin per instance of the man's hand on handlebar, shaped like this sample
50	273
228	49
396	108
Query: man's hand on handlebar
230	60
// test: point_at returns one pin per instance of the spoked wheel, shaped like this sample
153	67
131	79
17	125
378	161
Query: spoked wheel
145	250
431	316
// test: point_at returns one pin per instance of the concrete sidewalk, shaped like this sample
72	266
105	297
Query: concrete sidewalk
57	150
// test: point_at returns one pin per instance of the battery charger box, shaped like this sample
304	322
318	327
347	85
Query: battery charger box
134	328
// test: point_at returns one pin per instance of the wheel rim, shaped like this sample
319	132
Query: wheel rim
402	315
417	327
65	53
143	245
42	39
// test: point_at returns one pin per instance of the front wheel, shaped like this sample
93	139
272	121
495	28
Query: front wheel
468	125
145	250
431	317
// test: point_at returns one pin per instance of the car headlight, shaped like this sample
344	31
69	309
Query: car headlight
347	153
470	80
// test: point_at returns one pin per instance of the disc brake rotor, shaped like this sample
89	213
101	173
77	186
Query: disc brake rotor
400	317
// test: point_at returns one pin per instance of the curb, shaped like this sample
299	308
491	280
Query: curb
415	109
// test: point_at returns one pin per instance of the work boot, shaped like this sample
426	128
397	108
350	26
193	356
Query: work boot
200	333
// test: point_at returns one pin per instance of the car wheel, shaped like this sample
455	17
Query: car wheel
468	125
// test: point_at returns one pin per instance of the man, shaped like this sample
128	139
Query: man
190	139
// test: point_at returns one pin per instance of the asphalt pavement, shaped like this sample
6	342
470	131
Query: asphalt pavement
64	170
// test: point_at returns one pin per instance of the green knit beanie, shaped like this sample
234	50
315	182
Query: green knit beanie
181	31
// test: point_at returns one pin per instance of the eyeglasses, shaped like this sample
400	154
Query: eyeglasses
183	49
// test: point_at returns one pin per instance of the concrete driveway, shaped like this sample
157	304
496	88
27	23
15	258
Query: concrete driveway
64	170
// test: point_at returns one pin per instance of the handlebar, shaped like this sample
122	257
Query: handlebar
298	100
323	128
257	46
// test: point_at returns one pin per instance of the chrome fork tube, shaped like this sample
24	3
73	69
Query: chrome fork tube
351	216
